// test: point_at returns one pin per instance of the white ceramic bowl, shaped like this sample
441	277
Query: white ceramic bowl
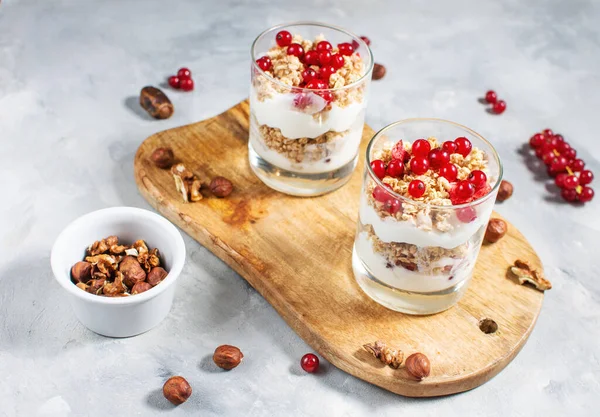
120	316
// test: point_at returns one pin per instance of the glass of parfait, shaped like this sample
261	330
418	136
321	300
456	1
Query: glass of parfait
428	192
308	96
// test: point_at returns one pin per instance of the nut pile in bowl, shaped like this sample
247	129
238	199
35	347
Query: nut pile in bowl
111	269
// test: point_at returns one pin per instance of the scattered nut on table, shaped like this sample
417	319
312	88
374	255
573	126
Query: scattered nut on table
163	157
525	273
221	187
186	183
391	357
505	191
378	72
227	357
177	390
156	103
496	229
418	365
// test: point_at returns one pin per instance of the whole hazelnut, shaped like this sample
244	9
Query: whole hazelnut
177	390
221	187
132	271
156	275
163	157
418	365
140	287
81	272
505	191
227	357
496	229
378	71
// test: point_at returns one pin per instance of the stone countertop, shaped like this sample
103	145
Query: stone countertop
70	74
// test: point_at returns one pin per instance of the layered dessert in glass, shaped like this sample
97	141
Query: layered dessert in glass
428	193
307	106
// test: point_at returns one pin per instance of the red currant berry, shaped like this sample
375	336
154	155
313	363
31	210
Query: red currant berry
378	168
539	152
419	165
264	63
316	84
186	84
491	97
365	40
449	171
548	157
337	61
323	46
499	107
559	164
346	48
311	58
466	214
326	72
309	74
547	133
438	158
536	140
184	73
577	165
416	188
392	205
449	147
561	146
324	57
463	146
559	137
587	193
477	178
420	148
395	168
569	153
380	194
568	194
283	38
571	181
464	190
327	96
310	363
295	49
560	180
586	177
174	81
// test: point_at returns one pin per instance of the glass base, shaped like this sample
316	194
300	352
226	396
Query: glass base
414	303
298	184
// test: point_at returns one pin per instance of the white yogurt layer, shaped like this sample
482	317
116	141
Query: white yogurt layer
389	229
401	278
280	112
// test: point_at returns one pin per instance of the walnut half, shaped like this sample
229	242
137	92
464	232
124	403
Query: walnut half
525	273
186	183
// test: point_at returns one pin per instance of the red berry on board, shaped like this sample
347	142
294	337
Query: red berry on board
464	190
438	158
392	205
309	74
311	58
416	188
310	363
587	193
323	46
586	177
463	146
577	165
366	40
378	167
548	133
324	57
560	180
466	214
536	140
337	61
283	38
295	49
449	147
568	194
326	72
174	81
420	148
264	63
571	181
449	171
346	48
380	194
491	97
395	168
184	73
419	165
499	107
186	84
477	178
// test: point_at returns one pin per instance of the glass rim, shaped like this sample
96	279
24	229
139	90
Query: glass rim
309	23
421	204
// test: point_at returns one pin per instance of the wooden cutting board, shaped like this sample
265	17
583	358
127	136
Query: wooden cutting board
296	252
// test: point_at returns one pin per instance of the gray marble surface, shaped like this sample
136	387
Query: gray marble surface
70	72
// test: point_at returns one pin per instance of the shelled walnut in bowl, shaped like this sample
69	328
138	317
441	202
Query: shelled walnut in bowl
112	269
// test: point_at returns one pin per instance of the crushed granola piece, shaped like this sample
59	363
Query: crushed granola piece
391	357
525	273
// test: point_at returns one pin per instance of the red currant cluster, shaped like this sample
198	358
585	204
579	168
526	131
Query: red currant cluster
420	160
498	106
183	80
321	56
567	170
